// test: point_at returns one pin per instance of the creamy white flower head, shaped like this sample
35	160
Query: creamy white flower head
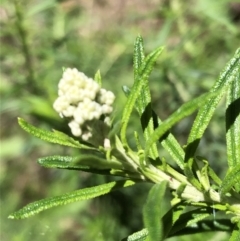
75	128
82	101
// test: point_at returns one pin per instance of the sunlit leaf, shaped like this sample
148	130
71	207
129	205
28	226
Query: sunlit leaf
203	172
136	90
204	226
71	163
232	178
172	146
85	159
185	110
233	122
138	56
56	137
190	175
75	196
169	143
143	106
190	218
138	236
153	211
170	218
205	114
214	176
143	103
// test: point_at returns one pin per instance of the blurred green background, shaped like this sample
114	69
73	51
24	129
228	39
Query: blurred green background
38	38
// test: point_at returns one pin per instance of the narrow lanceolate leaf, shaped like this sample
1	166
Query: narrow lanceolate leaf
233	122
172	146
56	137
203	174
170	218
138	56
75	196
169	143
143	103
86	163
184	111
75	162
206	112
177	212
214	176
231	179
138	236
146	69
89	163
147	115
189	219
153	212
190	175
201	227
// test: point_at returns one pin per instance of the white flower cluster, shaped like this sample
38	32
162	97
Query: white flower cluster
82	100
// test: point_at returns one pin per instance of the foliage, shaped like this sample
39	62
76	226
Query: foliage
194	184
38	38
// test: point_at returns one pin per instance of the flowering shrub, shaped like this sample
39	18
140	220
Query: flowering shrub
105	150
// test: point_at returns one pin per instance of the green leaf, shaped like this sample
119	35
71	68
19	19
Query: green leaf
177	212
146	113
185	110
144	73
206	226
190	175
153	211
138	56
209	172
214	176
233	122
190	218
203	173
71	163
137	236
171	217
236	233
91	160
206	112
56	137
89	163
143	103
232	178
75	196
171	145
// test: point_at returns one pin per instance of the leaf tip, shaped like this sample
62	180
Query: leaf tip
40	161
11	216
19	120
